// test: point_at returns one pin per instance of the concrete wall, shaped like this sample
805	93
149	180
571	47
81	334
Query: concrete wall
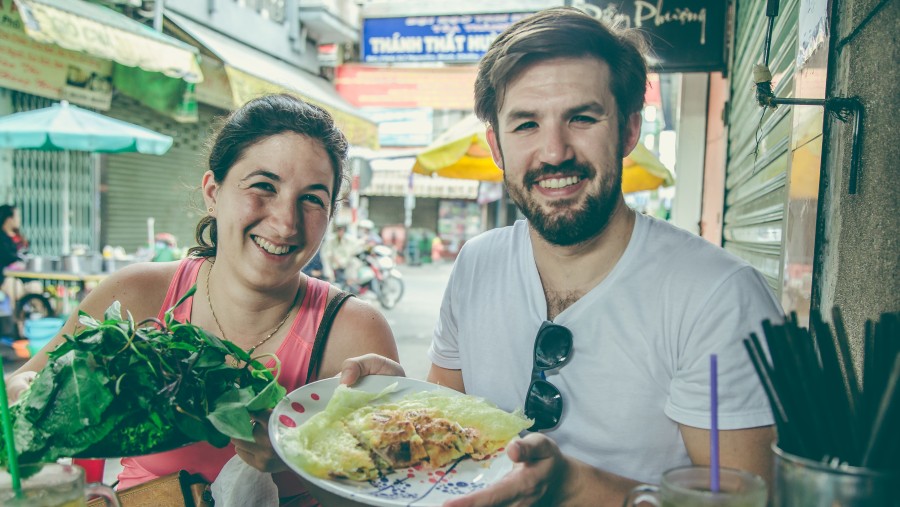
857	263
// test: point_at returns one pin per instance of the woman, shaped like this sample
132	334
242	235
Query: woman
11	241
275	169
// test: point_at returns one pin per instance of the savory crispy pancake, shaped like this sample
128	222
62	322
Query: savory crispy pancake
429	429
390	434
445	440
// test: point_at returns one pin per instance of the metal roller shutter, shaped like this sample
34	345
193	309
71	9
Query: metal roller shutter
37	190
759	145
165	187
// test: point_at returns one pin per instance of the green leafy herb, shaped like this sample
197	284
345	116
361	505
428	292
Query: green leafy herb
119	389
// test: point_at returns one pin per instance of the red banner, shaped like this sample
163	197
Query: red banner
437	88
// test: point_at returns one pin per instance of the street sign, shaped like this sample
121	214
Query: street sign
686	35
449	38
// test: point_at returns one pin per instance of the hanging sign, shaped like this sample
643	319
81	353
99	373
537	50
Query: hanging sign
451	38
447	87
48	70
686	35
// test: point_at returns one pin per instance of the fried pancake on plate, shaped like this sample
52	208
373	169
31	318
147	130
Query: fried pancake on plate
400	436
358	438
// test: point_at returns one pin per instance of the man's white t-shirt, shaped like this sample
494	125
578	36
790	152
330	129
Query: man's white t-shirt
642	341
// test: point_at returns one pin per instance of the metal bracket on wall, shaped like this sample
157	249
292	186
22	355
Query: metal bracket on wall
840	107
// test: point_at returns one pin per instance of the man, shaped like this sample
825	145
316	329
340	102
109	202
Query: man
645	303
339	251
367	234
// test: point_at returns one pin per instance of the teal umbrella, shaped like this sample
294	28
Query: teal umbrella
70	128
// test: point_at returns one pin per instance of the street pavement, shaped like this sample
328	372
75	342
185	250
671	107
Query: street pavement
412	320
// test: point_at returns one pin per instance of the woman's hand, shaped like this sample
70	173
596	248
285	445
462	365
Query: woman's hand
259	453
355	368
539	469
17	384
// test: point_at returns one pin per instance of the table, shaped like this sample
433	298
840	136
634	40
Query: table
79	280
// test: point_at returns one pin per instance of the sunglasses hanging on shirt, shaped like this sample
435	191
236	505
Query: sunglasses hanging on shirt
543	402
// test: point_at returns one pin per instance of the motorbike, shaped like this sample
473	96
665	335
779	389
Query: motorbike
379	275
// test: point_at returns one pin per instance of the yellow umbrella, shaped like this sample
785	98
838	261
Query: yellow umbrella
462	152
641	170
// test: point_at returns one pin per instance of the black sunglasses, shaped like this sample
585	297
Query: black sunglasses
543	403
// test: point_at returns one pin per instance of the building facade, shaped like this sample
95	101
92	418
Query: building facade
201	62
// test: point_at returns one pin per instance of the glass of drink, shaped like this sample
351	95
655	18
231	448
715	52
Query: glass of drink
689	487
801	482
52	485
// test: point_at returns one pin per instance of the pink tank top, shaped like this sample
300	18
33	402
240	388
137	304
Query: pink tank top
294	354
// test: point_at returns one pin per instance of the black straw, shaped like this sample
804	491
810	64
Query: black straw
820	409
887	414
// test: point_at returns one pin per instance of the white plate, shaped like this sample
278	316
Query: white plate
408	486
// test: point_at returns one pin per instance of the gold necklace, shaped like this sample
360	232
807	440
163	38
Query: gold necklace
234	360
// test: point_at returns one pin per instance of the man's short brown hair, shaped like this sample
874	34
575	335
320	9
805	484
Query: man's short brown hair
562	32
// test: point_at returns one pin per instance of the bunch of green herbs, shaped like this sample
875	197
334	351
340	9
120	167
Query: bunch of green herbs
116	389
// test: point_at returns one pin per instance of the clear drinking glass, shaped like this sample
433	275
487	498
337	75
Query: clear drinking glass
800	482
689	487
52	485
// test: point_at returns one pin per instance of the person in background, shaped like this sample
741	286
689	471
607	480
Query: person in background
12	243
367	234
316	268
13	227
597	320
437	249
340	251
165	248
275	168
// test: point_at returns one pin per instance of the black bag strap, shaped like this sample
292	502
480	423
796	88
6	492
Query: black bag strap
331	310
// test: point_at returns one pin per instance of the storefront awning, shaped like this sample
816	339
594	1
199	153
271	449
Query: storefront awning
252	72
391	178
101	32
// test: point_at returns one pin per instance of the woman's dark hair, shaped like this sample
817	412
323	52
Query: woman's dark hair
255	122
6	212
562	32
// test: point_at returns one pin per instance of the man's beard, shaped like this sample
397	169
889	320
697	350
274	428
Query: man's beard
566	226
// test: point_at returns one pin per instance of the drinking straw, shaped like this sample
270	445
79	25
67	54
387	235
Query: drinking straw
8	435
851	385
820	409
786	439
812	396
714	425
870	400
883	420
791	373
844	435
789	378
843	347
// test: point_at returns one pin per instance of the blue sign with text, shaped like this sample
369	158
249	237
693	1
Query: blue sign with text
452	38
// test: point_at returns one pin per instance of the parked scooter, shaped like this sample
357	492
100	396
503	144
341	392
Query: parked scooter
379	274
